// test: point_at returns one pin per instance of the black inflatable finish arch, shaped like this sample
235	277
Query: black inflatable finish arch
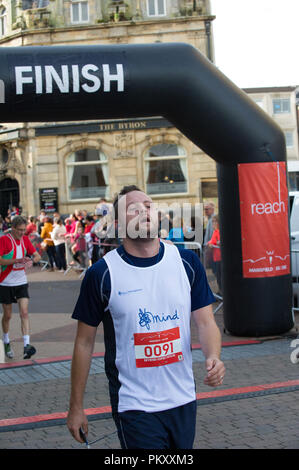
64	83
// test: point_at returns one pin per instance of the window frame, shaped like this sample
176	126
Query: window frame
37	6
289	135
3	22
293	177
169	157
91	162
156	9
79	2
260	103
282	101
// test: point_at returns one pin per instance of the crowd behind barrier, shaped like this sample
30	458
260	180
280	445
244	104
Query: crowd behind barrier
76	241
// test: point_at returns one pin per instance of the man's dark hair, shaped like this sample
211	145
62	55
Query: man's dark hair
122	192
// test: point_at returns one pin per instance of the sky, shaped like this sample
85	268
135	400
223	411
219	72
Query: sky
256	42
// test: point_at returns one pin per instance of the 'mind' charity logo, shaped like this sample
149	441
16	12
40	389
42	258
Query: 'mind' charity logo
147	318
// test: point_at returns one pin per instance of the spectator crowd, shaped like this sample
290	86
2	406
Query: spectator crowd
82	238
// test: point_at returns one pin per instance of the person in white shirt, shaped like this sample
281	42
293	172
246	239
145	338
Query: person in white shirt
209	208
58	237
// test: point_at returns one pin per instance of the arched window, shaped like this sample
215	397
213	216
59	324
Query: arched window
2	21
87	174
9	195
166	169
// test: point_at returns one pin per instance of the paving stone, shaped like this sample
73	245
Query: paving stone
267	422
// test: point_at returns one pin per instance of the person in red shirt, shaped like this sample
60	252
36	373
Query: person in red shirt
89	223
214	244
15	252
31	227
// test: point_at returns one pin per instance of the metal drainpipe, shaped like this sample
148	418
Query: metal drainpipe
208	33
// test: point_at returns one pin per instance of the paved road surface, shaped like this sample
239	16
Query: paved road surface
257	407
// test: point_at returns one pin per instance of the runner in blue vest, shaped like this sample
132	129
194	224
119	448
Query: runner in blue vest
145	292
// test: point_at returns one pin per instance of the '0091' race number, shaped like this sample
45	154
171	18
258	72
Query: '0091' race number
158	348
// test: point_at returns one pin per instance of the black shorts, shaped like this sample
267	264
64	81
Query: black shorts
170	429
11	294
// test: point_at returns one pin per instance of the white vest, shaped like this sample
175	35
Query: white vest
17	276
150	309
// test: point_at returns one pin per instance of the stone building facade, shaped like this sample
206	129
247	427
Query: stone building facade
71	165
280	104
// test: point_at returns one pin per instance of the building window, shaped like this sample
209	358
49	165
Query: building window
3	156
293	180
259	102
289	139
166	169
156	8
87	174
31	4
2	22
42	3
79	12
281	105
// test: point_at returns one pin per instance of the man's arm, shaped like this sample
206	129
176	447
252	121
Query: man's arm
8	262
24	260
210	340
36	257
31	251
83	349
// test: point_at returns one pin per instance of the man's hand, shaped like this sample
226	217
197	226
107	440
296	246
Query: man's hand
24	262
20	263
75	420
27	262
215	372
36	257
210	340
81	361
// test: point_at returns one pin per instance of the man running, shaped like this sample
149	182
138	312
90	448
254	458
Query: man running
15	252
144	292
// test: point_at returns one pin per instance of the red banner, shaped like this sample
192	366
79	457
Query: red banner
264	219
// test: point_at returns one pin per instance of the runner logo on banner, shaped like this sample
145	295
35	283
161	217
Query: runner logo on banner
264	219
